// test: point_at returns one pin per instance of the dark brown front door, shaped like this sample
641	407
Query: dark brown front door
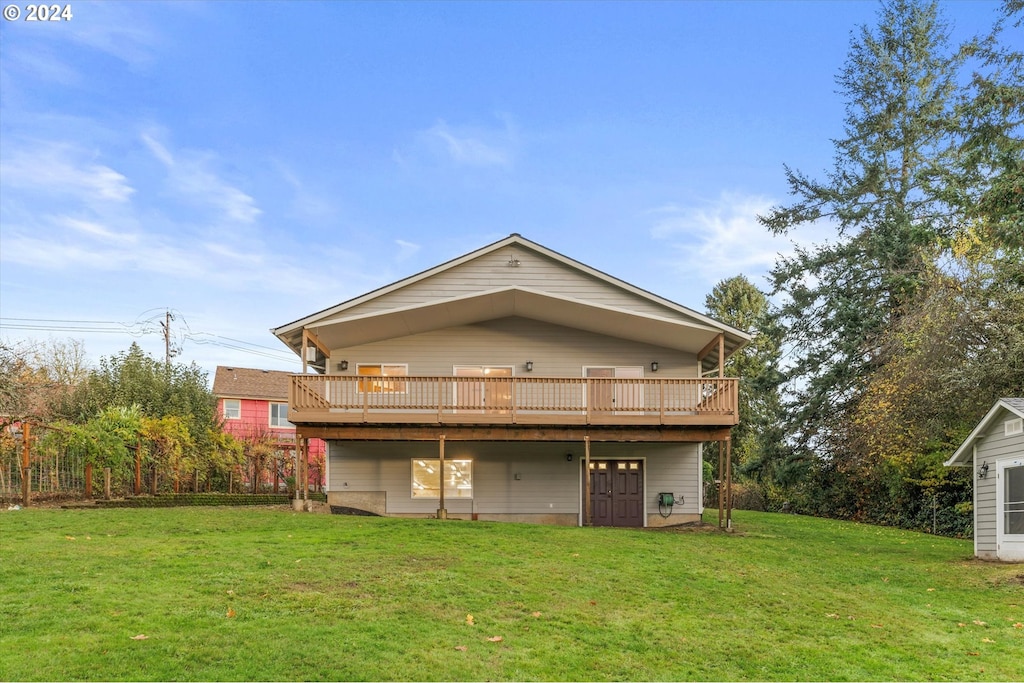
617	493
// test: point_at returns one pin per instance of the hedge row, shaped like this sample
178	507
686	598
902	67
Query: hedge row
197	499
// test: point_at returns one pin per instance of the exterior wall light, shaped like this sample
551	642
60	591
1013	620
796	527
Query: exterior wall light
343	365
654	366
529	366
983	470
568	457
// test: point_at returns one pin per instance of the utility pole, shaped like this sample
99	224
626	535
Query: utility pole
167	339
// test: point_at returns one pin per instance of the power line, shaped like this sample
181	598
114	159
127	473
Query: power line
155	324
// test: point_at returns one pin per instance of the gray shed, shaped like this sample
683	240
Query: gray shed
995	452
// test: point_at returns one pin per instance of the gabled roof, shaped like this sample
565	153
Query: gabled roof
336	330
965	454
270	385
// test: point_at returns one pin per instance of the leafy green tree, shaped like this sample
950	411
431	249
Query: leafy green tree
738	302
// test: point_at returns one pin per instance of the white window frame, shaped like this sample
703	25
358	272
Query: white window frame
456	491
271	417
238	409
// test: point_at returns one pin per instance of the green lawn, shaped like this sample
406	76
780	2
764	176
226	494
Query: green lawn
267	594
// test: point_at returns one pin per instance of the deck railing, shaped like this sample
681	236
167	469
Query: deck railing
512	400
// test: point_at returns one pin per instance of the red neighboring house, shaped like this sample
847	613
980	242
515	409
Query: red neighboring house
253	404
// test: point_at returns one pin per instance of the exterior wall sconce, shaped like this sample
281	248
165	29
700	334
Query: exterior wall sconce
983	470
568	457
529	366
654	366
343	365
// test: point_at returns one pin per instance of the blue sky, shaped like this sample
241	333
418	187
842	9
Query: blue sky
244	164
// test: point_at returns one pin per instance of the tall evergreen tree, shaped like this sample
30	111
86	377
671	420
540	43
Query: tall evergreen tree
885	197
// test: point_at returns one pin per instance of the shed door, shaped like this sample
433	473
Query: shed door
1010	510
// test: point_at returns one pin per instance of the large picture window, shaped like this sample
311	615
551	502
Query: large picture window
382	371
426	478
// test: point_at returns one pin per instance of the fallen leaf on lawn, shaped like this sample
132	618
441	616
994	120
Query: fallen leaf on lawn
469	620
885	579
231	612
974	654
88	538
575	554
535	614
987	640
70	538
931	590
852	618
140	637
461	648
1018	625
961	624
877	626
495	639
832	616
231	592
979	623
297	561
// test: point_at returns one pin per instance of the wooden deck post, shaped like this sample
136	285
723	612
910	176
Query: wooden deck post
442	513
721	481
106	483
728	485
586	479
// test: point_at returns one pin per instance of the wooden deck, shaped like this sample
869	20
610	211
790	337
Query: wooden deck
543	401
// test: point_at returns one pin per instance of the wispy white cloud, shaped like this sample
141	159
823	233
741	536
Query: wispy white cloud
466	145
190	176
406	250
59	170
721	238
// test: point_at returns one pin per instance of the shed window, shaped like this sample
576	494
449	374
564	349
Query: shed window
1011	427
232	409
1014	501
426	479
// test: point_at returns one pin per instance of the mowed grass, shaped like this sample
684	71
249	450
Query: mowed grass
268	594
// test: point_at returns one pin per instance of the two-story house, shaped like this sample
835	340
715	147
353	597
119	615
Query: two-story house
253	406
514	383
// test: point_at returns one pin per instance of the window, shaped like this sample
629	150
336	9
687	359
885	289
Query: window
1013	500
232	409
279	415
458	478
1011	427
381	386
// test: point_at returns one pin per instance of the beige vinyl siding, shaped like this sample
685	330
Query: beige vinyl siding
668	468
992	446
548	483
535	271
556	351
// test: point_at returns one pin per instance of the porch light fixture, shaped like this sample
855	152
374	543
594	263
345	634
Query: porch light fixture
983	470
529	366
568	457
343	365
654	366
